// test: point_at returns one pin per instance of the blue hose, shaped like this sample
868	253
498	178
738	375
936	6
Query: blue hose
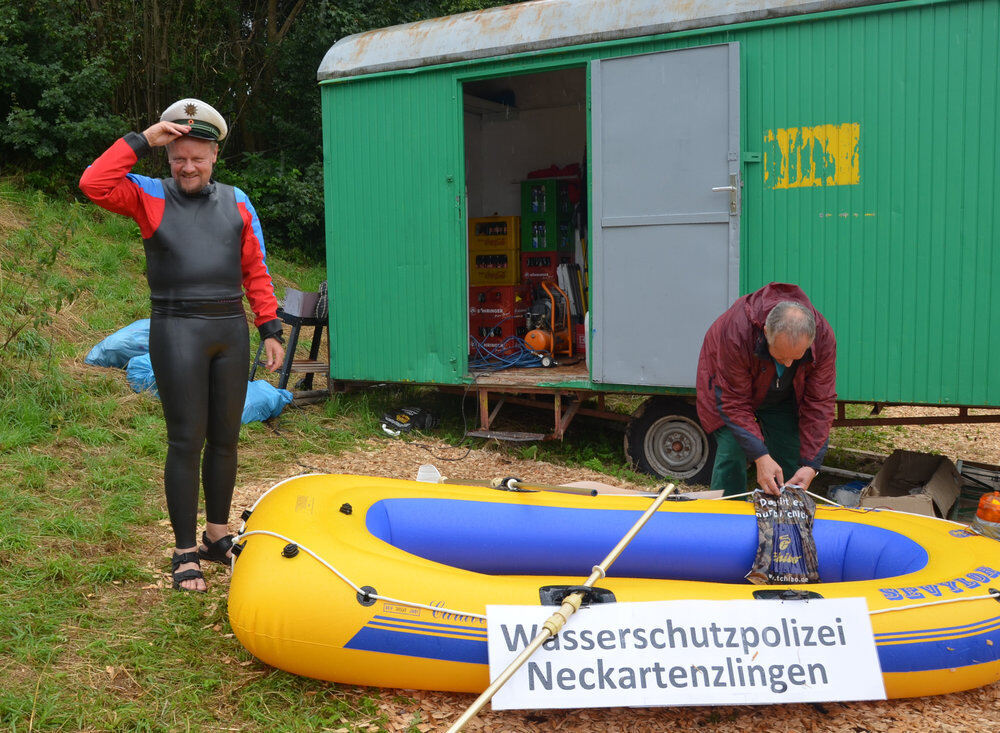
512	352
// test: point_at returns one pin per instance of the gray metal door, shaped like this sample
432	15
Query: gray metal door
666	209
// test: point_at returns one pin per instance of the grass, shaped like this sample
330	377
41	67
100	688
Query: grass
91	637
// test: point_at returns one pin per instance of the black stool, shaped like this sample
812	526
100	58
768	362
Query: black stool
308	367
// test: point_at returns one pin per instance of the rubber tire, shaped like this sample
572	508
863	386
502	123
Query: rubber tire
662	419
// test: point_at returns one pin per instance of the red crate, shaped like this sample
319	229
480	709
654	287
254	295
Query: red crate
497	302
492	333
579	339
538	267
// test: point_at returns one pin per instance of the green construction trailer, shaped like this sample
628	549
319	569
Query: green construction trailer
848	147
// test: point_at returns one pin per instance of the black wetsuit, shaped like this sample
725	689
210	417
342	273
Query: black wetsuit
202	251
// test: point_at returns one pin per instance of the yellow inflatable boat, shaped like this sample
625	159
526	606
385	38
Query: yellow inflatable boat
385	582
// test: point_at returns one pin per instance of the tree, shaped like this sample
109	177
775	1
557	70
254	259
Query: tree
76	74
53	92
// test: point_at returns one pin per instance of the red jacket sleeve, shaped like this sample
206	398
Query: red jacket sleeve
819	402
109	184
733	389
256	278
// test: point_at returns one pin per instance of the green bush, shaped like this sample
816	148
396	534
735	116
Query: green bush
289	203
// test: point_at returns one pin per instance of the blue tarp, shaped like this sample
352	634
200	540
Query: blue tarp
129	348
122	345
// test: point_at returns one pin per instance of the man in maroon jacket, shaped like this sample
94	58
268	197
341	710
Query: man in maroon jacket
766	389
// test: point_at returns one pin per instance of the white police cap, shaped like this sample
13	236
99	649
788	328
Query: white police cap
203	118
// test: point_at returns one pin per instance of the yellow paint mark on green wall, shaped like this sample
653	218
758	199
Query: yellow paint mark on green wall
824	155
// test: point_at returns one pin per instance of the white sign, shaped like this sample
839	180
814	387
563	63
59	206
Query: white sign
688	653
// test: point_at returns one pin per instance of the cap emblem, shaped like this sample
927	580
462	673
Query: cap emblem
190	110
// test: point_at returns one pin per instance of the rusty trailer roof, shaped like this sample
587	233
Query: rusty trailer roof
544	24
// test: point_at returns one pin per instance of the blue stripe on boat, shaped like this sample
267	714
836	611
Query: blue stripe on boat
911	657
430	626
399	627
944	654
949	632
427	646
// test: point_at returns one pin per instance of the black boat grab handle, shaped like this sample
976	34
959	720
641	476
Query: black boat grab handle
553	595
787	594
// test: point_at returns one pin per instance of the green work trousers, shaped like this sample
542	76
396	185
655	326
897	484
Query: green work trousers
780	426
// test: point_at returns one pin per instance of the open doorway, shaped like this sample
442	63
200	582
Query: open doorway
526	184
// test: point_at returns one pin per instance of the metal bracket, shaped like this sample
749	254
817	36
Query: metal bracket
553	595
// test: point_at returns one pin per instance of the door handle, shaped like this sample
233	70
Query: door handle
733	191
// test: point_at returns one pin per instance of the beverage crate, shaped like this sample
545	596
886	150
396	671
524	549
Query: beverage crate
537	267
546	197
498	302
494	233
492	334
494	268
547	234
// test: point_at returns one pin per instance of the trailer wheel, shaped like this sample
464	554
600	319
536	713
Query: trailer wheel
666	439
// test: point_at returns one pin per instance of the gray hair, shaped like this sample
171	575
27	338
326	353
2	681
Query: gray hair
792	319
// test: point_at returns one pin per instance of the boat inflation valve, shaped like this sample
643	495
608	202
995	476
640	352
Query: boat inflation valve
553	595
366	596
346	508
290	550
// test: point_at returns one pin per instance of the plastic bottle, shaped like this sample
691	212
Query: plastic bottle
987	521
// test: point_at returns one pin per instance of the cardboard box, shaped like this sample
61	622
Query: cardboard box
920	483
298	303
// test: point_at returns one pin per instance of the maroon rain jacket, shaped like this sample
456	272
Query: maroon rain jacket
735	371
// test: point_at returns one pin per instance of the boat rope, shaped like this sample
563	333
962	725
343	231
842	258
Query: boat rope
856	509
748	493
596	569
357	589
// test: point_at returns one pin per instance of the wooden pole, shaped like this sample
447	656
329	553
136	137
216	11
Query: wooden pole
570	605
512	484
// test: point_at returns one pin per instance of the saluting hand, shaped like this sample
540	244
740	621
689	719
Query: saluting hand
164	132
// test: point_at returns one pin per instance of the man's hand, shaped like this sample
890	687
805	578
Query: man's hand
803	477
164	132
769	476
274	354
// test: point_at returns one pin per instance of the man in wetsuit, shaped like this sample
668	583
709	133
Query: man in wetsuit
204	247
766	388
